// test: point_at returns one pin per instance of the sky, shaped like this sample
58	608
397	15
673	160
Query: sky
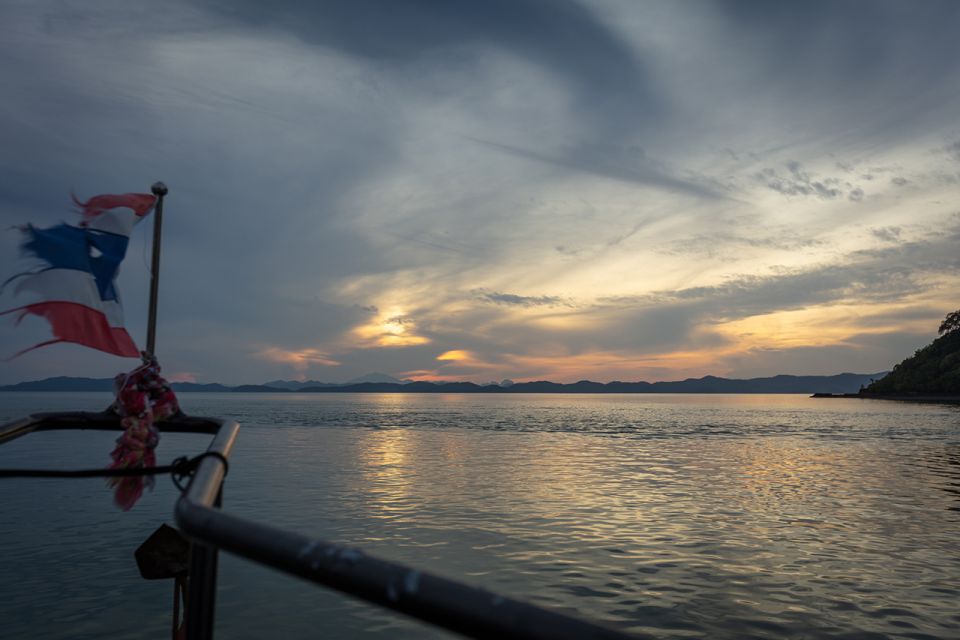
523	189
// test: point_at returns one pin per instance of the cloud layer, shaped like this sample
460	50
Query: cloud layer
527	189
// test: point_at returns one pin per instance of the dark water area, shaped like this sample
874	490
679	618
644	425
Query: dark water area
678	516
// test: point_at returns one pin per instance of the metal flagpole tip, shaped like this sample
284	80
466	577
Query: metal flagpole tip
159	189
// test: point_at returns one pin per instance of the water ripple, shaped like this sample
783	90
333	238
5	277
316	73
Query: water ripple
678	517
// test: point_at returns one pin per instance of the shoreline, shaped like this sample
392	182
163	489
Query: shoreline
926	399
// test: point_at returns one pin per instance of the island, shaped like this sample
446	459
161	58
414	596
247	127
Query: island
933	372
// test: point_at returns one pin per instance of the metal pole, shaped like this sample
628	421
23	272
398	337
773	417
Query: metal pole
160	190
200	612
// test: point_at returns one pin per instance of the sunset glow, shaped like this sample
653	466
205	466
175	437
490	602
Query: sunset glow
300	360
391	329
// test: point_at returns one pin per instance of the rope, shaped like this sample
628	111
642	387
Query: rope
180	470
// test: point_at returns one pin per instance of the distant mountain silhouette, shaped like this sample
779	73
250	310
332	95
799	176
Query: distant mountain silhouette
296	385
66	383
253	388
373	377
190	387
63	383
842	383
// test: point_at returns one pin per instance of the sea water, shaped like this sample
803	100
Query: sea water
677	516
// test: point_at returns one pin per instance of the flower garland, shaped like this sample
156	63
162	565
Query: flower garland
143	398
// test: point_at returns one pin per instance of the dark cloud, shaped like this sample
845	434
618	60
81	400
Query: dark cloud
860	56
257	189
511	299
431	45
612	162
623	327
726	245
891	274
953	150
946	178
887	234
927	314
799	182
756	295
609	84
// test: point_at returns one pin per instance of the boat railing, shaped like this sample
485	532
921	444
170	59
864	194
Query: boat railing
470	611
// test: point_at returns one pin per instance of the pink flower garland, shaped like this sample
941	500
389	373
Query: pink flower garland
143	398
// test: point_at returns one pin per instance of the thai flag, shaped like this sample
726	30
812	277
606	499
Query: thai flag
75	288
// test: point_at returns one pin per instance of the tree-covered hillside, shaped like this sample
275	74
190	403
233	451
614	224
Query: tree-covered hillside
933	370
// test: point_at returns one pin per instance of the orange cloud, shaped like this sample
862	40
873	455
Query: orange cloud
181	376
299	359
814	326
428	375
465	361
456	355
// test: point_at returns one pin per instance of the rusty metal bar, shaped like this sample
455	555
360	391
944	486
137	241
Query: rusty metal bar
470	611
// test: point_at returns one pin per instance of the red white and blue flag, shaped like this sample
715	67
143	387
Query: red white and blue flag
75	288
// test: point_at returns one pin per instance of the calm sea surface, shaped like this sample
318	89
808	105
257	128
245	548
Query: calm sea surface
680	516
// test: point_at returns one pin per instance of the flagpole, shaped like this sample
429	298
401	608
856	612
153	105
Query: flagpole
160	190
